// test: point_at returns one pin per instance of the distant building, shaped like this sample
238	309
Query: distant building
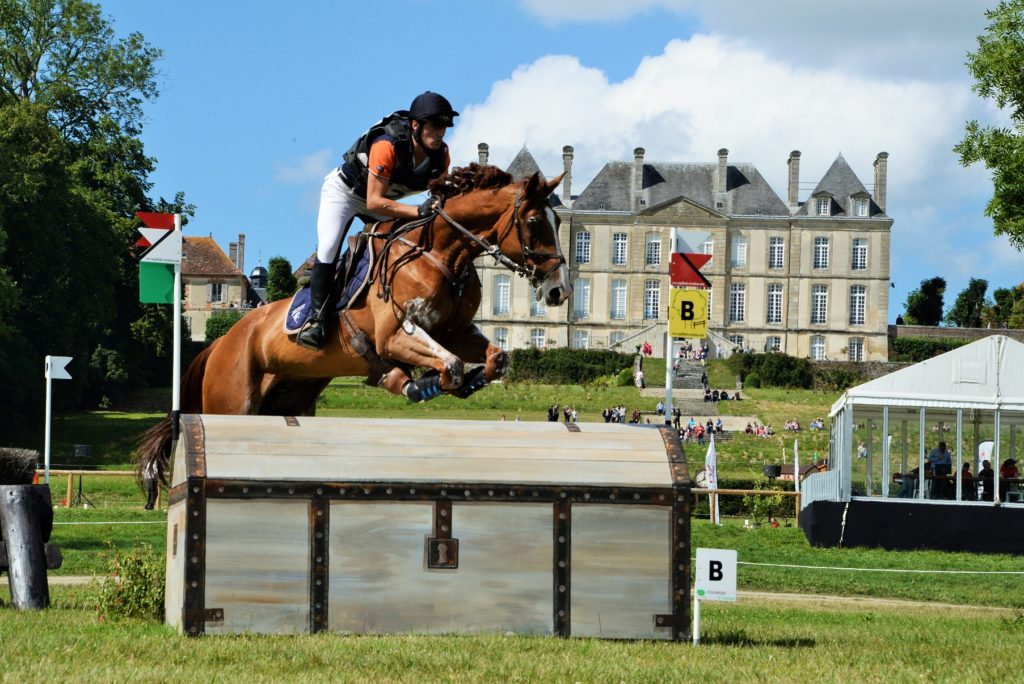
213	281
809	278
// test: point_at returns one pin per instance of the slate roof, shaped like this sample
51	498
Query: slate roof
523	165
748	191
202	256
841	182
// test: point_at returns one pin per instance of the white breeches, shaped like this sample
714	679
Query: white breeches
338	206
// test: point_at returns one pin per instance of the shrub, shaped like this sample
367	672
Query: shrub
566	366
218	324
917	349
753	380
760	506
836	378
772	370
135	586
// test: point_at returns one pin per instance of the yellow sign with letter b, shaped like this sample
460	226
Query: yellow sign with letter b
688	313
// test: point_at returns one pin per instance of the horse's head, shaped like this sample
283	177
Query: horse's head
534	240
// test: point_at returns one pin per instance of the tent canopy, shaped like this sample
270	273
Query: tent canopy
987	374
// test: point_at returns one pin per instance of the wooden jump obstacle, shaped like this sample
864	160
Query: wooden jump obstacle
380	526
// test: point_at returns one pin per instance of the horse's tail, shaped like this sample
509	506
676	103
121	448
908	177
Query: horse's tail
153	453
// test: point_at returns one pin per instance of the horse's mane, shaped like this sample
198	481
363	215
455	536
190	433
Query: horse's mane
462	179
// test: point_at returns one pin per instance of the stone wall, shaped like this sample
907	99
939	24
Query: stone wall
969	334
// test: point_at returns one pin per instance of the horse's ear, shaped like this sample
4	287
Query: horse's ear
539	189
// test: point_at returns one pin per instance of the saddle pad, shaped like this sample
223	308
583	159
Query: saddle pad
300	310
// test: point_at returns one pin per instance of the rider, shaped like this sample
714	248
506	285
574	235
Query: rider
396	158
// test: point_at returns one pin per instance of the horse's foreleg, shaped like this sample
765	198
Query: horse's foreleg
474	347
413	346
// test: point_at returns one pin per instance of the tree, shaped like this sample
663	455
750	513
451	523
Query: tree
281	282
968	310
924	305
220	322
998	69
1004	299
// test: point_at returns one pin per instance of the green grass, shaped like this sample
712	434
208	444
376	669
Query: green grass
748	641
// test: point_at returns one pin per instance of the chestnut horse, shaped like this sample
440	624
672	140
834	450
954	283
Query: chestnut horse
416	313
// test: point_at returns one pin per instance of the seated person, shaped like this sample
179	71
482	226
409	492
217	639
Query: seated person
707	395
986	476
749	429
909	485
714	395
1007	471
724	396
718	426
967	490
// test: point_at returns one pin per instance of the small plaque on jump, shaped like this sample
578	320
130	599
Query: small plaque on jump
443	554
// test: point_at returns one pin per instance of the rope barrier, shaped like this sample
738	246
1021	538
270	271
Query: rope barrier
925	572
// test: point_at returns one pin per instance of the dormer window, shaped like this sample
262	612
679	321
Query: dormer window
860	206
823	206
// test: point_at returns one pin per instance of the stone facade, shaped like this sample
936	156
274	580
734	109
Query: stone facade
809	278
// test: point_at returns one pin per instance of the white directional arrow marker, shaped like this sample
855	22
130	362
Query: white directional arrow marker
56	367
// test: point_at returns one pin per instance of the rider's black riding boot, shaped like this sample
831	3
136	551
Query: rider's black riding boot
314	334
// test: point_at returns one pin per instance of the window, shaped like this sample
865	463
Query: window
583	247
819	303
619	242
537	306
774	303
823	206
538	338
818	348
618	312
501	338
821	252
855	349
709	248
773	343
581	339
776	252
616	338
581	298
652	299
652	252
502	294
860	254
858	304
738	258
737	302
860	206
737	340
216	292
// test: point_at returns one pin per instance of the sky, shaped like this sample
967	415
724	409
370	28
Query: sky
259	100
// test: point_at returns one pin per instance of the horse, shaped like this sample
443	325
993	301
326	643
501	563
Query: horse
416	313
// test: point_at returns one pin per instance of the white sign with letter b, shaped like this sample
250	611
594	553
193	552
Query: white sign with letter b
716	575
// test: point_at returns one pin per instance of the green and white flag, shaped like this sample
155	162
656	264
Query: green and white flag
156	283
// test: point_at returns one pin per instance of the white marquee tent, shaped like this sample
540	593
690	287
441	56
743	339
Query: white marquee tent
979	385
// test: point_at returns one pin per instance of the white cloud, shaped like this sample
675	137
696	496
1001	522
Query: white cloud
912	37
304	170
709	92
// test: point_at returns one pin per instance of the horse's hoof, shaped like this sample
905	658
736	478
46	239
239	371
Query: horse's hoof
456	373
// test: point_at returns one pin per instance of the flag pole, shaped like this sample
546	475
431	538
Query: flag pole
176	355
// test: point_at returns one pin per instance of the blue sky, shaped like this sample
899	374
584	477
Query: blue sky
260	99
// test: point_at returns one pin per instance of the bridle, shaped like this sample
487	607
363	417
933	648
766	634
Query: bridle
525	269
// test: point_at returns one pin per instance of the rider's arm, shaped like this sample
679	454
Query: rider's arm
381	165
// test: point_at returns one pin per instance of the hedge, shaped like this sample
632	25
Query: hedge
773	370
561	366
917	349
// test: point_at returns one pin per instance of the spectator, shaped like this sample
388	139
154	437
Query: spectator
967	490
647	350
718	426
724	396
714	395
1008	471
986	475
707	394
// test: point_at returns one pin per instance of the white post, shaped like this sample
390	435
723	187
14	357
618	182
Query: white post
668	377
49	414
696	621
886	442
176	363
960	455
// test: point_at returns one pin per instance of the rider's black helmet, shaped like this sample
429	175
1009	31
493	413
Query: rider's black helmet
434	107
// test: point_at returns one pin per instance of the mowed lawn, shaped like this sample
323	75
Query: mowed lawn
752	640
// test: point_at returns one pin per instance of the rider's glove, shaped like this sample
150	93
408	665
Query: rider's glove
427	208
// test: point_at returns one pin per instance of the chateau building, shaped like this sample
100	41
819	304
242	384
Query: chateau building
213	281
808	278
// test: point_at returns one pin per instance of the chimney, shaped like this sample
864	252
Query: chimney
483	152
233	252
567	178
638	170
794	178
241	252
881	175
723	169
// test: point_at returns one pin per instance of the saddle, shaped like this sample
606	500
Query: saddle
351	279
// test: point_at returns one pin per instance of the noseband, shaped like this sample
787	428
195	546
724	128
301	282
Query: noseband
525	269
